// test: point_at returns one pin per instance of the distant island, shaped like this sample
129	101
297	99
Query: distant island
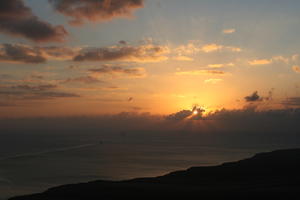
264	176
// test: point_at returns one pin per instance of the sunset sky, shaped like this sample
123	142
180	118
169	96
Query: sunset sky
156	56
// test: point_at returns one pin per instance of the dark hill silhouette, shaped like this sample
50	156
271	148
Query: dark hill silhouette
264	176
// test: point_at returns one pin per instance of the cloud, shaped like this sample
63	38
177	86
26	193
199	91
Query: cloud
253	97
33	92
201	72
211	47
141	53
35	87
18	20
229	31
183	58
118	70
213	81
83	79
291	102
91	10
220	65
194	114
260	62
296	69
20	53
58	52
208	48
183	114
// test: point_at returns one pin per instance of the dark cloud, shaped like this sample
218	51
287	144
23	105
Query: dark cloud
254	97
95	10
122	42
196	113
34	87
33	92
52	95
183	114
83	79
20	53
18	20
127	53
115	70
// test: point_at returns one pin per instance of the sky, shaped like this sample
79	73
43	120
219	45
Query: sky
70	58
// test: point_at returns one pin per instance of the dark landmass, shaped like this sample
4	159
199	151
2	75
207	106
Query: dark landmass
265	176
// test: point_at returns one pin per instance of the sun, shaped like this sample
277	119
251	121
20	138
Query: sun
195	112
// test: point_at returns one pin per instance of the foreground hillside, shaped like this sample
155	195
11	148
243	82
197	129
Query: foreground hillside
266	175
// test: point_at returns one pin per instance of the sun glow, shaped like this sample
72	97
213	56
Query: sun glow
195	112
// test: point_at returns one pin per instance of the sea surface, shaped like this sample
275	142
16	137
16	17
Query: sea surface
34	162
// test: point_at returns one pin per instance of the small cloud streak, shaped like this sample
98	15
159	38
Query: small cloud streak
229	31
260	62
220	65
183	58
296	69
83	79
213	81
215	47
211	47
137	72
202	72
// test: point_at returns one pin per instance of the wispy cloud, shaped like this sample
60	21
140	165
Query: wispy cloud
220	65
260	62
229	31
202	72
208	48
183	58
213	80
296	68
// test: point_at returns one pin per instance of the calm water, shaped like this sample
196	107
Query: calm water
33	163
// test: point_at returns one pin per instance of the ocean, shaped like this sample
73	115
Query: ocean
32	163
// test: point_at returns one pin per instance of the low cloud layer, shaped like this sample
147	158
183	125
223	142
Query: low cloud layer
239	128
16	19
91	10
